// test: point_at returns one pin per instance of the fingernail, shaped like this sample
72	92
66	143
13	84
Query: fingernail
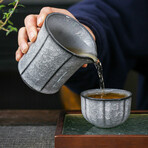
32	36
39	21
18	57
24	47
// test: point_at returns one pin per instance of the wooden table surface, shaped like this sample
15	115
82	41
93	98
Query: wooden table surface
28	128
28	117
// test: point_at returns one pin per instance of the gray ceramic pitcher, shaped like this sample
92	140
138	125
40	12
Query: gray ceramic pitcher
49	63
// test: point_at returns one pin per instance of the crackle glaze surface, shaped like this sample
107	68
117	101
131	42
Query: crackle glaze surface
106	113
48	64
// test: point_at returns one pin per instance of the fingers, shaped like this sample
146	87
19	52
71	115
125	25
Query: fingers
47	10
31	27
18	54
23	40
28	32
98	61
84	66
43	13
64	11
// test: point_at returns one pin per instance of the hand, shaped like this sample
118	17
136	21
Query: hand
33	23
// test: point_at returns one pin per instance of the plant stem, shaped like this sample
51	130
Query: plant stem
5	29
5	22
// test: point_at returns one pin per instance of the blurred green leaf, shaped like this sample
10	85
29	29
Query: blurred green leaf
11	10
11	23
2	6
20	5
13	3
5	15
11	29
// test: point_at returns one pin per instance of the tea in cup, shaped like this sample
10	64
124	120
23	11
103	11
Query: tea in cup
106	108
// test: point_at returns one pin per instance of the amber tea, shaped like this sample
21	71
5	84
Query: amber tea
108	96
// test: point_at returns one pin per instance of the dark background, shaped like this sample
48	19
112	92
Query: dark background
14	94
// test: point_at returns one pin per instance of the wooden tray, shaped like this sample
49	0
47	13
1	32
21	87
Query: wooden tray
63	140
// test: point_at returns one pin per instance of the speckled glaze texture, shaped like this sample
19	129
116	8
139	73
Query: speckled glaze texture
49	64
105	113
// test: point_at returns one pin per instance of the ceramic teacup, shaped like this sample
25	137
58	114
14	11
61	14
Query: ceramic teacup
105	113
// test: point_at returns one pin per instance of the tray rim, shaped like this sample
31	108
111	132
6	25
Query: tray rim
60	123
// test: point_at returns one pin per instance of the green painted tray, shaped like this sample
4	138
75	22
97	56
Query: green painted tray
75	124
74	131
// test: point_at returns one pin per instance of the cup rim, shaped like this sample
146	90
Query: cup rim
48	30
86	92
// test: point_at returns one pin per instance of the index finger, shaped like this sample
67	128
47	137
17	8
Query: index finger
31	27
47	10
